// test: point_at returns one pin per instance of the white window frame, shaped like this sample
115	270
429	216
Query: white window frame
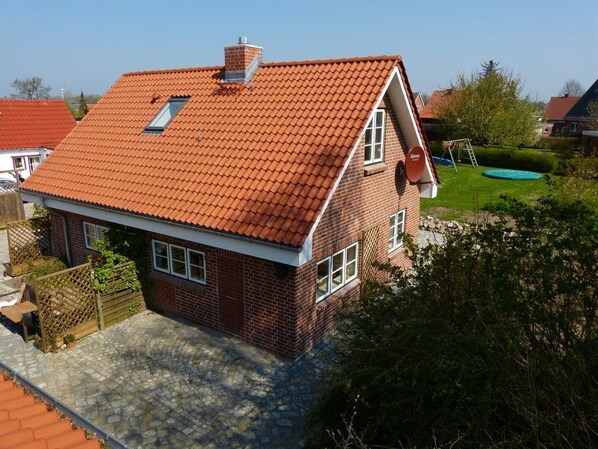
172	261
202	266
186	252
374	125
154	254
393	239
343	269
99	231
573	127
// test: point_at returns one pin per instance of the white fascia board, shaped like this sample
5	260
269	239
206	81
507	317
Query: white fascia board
399	97
276	253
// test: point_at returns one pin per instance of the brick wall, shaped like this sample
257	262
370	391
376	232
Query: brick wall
361	201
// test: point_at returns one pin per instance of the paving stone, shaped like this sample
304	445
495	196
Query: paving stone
157	382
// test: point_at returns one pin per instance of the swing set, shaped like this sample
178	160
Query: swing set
464	151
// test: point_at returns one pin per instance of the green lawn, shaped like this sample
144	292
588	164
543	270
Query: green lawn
468	190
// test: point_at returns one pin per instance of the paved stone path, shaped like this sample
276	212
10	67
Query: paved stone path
157	382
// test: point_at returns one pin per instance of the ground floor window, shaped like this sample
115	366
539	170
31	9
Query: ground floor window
93	233
336	271
397	228
179	261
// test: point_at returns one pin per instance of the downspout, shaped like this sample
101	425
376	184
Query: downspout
67	245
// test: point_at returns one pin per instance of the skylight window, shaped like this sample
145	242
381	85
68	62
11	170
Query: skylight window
166	114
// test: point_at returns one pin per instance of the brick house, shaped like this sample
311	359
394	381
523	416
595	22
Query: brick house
29	131
266	189
578	118
554	115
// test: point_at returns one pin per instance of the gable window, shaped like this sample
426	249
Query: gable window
166	114
179	261
336	271
93	233
374	138
397	228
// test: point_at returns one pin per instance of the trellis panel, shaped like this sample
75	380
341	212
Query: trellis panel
66	305
369	255
28	240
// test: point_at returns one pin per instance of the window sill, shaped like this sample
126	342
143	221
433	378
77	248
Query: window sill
340	292
374	169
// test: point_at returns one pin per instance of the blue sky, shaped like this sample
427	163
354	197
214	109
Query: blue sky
87	45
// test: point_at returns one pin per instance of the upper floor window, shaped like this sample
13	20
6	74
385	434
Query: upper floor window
336	271
92	233
166	114
374	138
397	228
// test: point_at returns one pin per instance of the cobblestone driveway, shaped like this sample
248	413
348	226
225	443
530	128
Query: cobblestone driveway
155	382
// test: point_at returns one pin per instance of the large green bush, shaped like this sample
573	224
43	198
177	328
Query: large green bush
489	341
509	158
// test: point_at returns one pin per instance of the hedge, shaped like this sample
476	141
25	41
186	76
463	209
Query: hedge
510	158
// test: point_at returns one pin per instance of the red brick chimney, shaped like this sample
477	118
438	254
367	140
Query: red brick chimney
241	61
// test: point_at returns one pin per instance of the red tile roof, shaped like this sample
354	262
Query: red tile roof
558	107
258	160
430	111
33	123
27	423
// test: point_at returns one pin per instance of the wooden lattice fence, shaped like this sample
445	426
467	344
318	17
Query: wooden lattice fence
119	301
29	243
66	304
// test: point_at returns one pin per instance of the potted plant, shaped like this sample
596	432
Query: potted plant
70	341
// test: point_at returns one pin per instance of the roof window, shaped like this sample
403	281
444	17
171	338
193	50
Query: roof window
166	114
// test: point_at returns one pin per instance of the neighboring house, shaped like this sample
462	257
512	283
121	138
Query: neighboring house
29	131
266	189
554	115
577	119
430	114
419	101
589	143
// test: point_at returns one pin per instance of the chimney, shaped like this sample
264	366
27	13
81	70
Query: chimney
241	61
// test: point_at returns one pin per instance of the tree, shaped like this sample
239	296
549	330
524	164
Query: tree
489	109
572	88
83	109
489	340
490	67
30	88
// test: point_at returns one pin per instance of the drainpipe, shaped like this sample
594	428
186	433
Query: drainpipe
67	245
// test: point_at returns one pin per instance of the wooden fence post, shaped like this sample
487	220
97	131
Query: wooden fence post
100	308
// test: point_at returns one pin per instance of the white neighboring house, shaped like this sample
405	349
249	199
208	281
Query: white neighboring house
29	131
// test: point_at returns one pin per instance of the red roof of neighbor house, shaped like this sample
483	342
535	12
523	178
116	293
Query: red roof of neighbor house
557	107
258	160
34	123
430	111
27	423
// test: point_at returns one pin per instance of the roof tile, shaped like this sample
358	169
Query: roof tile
264	147
33	123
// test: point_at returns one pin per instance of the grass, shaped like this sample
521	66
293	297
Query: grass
465	192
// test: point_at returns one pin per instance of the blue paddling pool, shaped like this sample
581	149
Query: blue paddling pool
519	175
442	161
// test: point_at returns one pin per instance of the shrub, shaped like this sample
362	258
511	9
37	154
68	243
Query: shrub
489	340
510	158
565	146
50	265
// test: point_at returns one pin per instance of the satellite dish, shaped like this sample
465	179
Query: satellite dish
415	164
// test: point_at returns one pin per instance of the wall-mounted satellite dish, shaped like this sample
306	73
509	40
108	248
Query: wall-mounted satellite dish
415	164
